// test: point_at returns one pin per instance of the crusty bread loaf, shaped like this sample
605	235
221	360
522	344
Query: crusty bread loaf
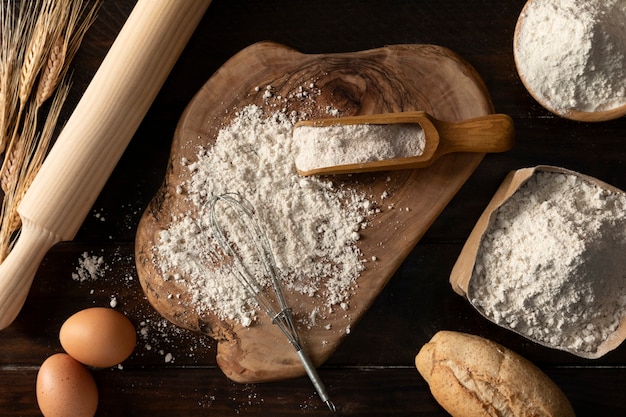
473	377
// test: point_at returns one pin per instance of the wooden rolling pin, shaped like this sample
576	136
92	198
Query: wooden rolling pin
95	137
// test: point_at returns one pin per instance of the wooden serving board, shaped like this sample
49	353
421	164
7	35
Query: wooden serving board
389	79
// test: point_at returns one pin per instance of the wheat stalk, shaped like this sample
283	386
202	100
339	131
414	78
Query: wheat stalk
51	73
36	46
8	174
10	184
24	161
13	30
77	19
5	95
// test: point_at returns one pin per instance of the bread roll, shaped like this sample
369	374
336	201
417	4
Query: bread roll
473	377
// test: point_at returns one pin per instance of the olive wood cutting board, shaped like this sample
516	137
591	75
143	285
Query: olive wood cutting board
388	79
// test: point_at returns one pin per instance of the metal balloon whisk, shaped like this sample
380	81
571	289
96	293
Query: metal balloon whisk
245	271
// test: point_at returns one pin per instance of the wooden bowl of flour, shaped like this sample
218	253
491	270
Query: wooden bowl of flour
571	61
545	260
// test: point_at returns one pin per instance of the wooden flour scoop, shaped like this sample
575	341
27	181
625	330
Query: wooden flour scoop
485	134
95	137
464	268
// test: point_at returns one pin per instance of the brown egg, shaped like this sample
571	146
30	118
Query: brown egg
99	337
66	388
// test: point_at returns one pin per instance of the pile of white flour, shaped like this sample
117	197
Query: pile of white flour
552	266
572	53
326	146
311	224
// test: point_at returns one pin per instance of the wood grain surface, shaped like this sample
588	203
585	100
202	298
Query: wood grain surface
372	372
389	79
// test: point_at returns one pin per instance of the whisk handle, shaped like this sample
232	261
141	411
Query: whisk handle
315	379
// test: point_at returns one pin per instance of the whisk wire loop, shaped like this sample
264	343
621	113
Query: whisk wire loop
242	269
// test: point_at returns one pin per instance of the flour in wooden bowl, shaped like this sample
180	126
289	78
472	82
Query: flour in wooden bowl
571	54
551	265
312	224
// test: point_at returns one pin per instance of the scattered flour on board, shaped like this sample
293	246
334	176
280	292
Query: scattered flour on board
572	53
551	265
312	224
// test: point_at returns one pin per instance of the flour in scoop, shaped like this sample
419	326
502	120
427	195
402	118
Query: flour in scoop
312	224
326	146
572	53
551	266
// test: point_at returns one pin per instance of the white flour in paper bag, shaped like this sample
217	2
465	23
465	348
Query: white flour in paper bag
552	265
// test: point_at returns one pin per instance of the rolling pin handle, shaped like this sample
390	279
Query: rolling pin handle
19	268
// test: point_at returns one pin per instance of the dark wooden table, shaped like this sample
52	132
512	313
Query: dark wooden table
372	373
